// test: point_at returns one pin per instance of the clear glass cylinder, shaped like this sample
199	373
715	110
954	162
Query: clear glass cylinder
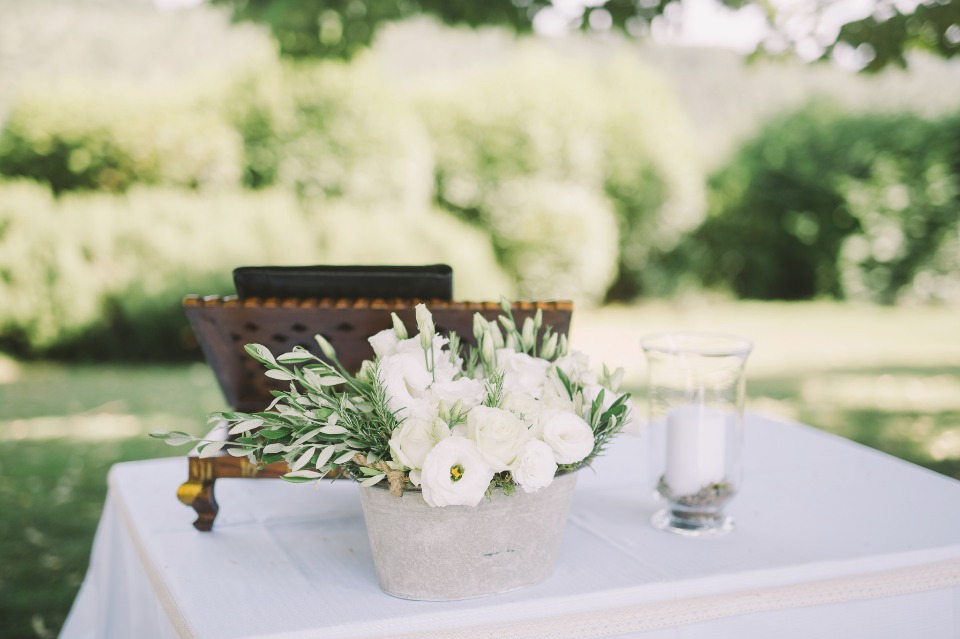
695	395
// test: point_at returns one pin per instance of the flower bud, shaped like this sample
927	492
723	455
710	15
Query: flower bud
488	351
398	327
527	339
550	347
325	346
496	335
425	321
479	326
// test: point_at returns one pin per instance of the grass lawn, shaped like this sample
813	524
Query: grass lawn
886	377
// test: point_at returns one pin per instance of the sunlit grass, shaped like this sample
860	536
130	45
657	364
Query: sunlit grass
886	377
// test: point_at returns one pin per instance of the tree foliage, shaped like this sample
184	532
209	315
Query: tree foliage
339	28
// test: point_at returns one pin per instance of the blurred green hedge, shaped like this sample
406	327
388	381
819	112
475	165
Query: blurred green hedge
111	137
825	203
612	131
101	276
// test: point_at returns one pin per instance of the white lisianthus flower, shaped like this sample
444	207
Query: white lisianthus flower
576	366
384	343
405	379
445	368
570	438
524	405
454	474
469	392
415	438
498	434
522	372
535	466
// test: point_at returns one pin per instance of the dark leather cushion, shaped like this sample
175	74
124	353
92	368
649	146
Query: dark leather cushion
433	282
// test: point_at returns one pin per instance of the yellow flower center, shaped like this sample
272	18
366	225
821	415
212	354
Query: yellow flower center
456	472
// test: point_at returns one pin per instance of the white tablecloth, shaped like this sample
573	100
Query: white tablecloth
832	540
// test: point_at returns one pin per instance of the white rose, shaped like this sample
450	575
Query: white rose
569	436
405	379
535	466
415	438
498	434
470	392
454	474
384	343
522	372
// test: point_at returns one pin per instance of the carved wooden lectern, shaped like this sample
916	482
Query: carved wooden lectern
223	325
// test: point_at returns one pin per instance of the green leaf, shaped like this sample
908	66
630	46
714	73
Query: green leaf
273	448
276	433
303	438
372	480
347	456
370	472
211	449
304	458
245	425
325	456
616	408
238	451
173	438
295	357
276	373
271	458
306	474
260	352
565	381
333	430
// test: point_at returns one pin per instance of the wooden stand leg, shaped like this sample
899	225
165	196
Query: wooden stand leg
199	495
197	491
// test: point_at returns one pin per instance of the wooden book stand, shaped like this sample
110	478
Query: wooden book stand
223	325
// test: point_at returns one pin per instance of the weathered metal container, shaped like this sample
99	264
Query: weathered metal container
462	552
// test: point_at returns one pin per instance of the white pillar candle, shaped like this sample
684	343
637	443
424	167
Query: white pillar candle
696	447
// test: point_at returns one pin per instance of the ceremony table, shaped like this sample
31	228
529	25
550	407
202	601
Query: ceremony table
832	539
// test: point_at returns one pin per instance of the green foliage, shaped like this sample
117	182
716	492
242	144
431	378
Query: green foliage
343	27
559	239
888	34
540	136
107	138
101	276
351	136
823	203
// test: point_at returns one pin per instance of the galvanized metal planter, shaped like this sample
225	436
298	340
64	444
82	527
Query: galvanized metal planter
462	552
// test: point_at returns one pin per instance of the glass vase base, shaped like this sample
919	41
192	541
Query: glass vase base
692	524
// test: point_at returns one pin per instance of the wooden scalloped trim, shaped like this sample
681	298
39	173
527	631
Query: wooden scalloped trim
232	301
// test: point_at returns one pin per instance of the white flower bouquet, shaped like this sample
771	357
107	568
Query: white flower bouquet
428	413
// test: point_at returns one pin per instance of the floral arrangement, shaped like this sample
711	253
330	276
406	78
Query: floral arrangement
428	413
